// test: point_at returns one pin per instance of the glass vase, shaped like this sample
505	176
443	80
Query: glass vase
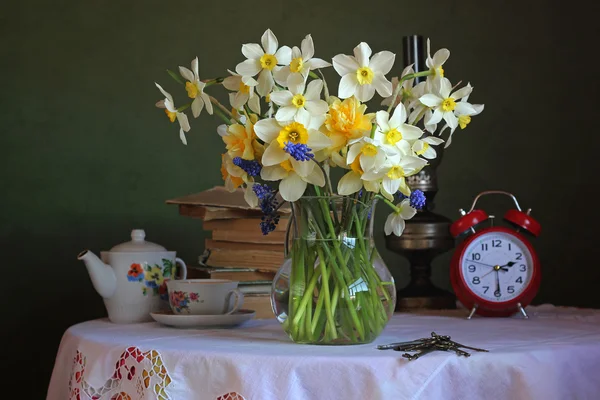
333	287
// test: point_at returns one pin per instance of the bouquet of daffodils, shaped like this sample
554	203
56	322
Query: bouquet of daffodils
285	133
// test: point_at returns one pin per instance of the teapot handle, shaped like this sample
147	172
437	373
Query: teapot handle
183	268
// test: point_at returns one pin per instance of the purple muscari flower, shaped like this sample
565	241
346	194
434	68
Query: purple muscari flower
262	191
299	151
417	199
268	205
251	167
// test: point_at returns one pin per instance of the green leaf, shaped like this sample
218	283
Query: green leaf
175	76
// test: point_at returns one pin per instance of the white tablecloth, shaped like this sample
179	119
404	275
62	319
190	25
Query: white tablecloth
553	355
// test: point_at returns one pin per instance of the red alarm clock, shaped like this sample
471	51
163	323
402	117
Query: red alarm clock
495	271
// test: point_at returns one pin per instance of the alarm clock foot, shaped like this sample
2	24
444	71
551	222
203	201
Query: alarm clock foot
522	310
473	311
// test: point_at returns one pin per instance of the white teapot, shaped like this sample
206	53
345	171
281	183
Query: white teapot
132	276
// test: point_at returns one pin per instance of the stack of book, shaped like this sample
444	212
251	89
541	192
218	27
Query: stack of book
237	250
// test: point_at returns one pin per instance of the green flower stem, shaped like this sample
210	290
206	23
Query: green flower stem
222	116
325	288
401	81
184	107
175	77
308	292
389	203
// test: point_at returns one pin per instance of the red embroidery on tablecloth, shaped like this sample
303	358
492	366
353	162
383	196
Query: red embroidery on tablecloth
231	396
154	377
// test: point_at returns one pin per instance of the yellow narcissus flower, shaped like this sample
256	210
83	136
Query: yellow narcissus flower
231	173
240	140
345	121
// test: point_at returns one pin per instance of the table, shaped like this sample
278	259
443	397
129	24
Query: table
553	355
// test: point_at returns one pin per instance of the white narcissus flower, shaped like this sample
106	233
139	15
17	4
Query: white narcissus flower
302	62
303	130
394	133
293	180
195	89
435	63
444	103
361	76
264	61
293	100
422	147
394	171
169	105
369	153
395	221
243	86
464	118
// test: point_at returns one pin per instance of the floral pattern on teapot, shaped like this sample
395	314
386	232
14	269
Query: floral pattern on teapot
153	277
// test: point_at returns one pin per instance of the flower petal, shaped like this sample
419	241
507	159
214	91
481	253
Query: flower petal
390	185
315	63
445	88
382	62
282	97
269	42
239	99
410	132
317	140
265	82
431	100
362	52
281	75
232	82
182	136
302	168
308	47
195	68
348	86
295	83
399	116
353	151
383	119
451	120
284	55
462	92
463	108
316	177
273	173
248	68
252	51
399	225
286	113
344	64
389	224
292	187
435	117
313	90
267	129
187	74
316	107
274	155
165	93
183	121
406	211
197	106
349	184
364	93
382	85
440	56
207	103
254	104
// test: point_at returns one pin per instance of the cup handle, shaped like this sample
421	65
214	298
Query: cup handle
239	300
183	268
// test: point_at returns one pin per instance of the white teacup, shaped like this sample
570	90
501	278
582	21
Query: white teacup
204	296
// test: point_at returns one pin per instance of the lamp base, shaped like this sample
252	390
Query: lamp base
425	237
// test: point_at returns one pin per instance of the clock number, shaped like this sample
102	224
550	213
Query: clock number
485	289
519	279
509	247
476	256
522	268
472	268
510	289
476	280
496	243
497	293
484	246
519	256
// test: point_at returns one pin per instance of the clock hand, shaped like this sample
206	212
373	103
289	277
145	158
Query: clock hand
497	282
509	264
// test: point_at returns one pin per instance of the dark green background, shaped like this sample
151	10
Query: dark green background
87	157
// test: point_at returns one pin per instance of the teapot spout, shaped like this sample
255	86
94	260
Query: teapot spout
102	275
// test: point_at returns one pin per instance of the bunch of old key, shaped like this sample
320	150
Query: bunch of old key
420	347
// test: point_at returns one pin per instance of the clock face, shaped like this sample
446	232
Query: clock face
497	266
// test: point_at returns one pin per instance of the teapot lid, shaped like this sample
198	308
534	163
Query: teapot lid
137	244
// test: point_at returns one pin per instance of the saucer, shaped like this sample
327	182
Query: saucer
202	321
